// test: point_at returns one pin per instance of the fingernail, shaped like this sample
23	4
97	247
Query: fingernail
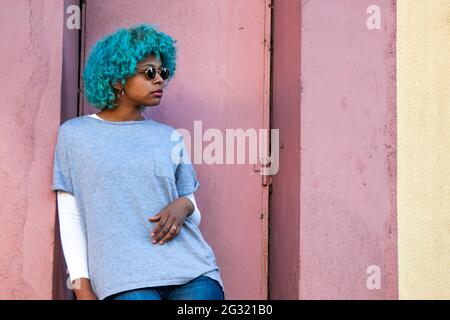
154	241
161	242
152	234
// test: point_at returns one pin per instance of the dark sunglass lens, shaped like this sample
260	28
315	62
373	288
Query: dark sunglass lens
164	73
151	73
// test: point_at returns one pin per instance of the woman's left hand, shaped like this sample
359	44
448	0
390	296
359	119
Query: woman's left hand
170	220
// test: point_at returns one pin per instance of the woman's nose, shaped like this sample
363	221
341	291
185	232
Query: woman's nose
158	78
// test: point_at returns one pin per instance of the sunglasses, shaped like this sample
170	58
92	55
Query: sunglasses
150	73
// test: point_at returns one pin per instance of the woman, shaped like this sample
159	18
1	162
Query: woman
128	231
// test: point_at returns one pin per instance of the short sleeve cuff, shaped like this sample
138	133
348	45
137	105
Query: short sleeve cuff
62	183
187	188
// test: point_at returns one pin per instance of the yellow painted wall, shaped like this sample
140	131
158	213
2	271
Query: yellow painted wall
423	66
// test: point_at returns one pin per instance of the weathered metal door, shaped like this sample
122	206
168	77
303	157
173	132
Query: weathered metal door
222	81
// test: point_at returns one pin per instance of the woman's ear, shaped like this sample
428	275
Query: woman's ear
117	86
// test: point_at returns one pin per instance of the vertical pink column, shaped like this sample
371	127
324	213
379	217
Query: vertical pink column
30	87
348	157
284	201
334	74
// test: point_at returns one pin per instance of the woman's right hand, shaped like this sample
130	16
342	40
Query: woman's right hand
86	295
83	290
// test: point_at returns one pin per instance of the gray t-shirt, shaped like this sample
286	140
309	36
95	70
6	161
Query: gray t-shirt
122	173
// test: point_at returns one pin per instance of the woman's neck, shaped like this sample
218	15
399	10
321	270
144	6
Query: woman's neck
121	114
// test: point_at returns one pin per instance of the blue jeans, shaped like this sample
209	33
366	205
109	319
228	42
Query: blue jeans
200	288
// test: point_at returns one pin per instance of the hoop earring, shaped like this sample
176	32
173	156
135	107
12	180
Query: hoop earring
118	94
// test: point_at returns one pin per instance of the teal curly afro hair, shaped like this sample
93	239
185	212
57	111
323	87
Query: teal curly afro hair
114	57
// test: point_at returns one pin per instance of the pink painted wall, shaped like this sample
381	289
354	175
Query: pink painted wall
345	179
348	158
30	84
333	100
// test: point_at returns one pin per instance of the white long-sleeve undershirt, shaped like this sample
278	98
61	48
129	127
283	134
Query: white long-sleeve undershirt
73	231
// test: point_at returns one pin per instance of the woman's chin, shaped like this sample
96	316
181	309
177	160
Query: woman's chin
152	102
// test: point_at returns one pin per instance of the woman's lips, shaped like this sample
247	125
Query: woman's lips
157	94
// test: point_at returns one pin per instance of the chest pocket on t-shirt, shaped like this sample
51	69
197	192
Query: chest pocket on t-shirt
162	165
